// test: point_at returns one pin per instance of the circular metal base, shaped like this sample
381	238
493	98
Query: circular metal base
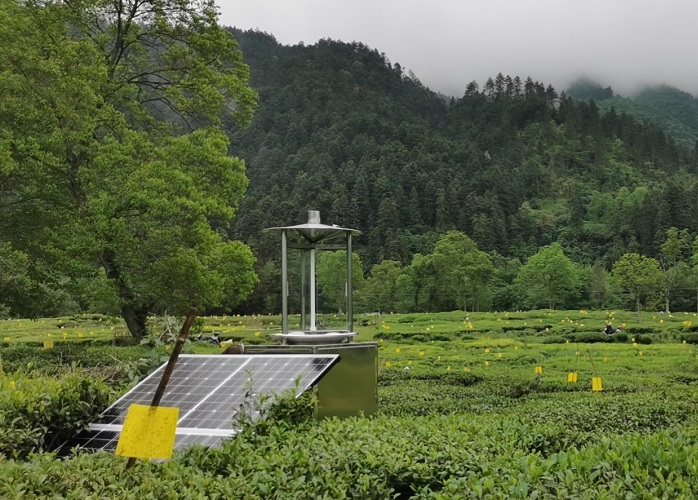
316	337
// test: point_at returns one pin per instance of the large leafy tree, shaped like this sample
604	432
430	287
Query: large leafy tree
111	151
549	277
673	261
637	275
462	271
382	291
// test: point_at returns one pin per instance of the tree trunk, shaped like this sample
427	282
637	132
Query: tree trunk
135	318
135	315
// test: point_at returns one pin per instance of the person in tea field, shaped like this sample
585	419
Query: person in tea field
609	330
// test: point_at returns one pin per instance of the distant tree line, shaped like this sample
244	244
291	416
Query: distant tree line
457	275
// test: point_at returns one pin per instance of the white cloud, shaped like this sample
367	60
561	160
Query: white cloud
447	43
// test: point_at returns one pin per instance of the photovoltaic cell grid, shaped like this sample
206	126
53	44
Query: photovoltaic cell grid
208	390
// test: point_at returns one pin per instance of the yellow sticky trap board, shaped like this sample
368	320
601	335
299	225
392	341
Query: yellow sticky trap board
421	353
487	363
572	377
397	350
499	355
48	344
148	432
387	364
596	384
538	370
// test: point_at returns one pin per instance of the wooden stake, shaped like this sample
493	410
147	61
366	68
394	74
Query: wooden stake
179	344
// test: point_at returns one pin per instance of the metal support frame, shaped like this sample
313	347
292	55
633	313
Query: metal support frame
284	282
350	312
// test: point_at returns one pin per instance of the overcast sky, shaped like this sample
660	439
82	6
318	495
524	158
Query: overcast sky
448	43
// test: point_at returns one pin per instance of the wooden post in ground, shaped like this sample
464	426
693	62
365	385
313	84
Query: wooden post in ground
179	344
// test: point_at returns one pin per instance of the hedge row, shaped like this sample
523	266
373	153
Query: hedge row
40	413
428	457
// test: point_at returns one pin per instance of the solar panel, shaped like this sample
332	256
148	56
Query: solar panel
208	390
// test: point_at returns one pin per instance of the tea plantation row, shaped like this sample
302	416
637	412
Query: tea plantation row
462	417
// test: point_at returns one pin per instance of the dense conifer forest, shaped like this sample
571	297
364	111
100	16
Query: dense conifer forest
514	164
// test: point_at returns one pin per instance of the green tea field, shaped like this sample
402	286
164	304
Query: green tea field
471	405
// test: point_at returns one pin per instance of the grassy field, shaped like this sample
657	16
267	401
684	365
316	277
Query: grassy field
471	405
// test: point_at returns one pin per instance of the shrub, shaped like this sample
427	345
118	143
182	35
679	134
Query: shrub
553	339
40	413
590	337
690	338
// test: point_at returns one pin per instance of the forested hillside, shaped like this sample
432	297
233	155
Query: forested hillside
675	111
124	194
512	164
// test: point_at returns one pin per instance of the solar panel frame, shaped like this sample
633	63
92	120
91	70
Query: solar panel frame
207	419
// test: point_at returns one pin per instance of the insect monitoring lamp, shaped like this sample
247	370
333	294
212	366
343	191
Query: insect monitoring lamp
308	238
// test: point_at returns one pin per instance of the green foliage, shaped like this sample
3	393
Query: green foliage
690	338
640	276
124	165
262	414
441	431
40	413
549	277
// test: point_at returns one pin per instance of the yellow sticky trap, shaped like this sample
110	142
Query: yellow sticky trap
397	350
684	341
487	363
148	432
487	349
596	384
633	339
538	370
516	348
499	355
409	363
641	353
634	344
421	353
13	384
572	377
387	364
466	369
48	344
448	369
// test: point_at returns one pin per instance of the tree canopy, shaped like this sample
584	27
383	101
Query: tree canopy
112	155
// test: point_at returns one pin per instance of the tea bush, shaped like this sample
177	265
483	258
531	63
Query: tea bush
40	413
462	414
458	456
